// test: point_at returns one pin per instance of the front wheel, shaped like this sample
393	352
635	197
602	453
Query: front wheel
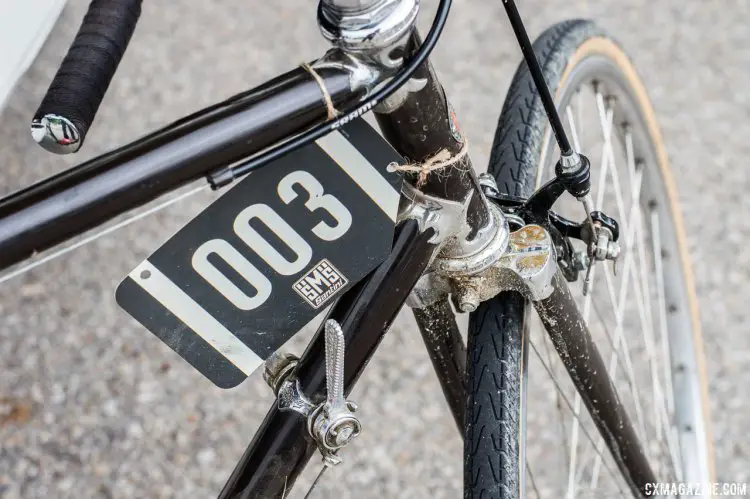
643	319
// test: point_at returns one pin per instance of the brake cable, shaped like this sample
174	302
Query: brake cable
227	175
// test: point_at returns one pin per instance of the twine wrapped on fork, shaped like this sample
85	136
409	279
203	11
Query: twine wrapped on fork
440	160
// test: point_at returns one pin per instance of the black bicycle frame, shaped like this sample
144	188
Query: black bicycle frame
77	200
88	195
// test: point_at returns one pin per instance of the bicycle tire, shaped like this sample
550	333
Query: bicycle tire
494	435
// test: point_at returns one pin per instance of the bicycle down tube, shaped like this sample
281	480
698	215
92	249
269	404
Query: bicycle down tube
282	445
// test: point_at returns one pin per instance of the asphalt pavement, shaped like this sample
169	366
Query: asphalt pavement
103	409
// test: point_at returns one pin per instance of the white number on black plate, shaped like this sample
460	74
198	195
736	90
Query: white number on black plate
263	260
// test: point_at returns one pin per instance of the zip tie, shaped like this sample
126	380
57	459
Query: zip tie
333	113
438	161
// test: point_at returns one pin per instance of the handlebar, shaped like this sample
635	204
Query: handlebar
73	98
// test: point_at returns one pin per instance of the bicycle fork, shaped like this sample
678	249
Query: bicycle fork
524	261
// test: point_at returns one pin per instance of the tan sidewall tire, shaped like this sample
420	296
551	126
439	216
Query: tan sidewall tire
605	47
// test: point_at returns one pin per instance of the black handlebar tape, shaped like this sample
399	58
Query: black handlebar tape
68	109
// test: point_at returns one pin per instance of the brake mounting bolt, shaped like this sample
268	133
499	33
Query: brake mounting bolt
467	298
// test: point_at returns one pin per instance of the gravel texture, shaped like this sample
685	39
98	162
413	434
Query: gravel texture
103	409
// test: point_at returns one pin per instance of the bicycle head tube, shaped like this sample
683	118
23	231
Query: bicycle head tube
372	28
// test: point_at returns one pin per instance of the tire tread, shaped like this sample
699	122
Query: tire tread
492	443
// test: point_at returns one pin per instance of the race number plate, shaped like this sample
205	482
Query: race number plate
265	258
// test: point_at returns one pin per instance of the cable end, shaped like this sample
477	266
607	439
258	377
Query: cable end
221	178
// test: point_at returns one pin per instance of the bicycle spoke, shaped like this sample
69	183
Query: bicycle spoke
573	448
635	171
629	372
574	432
559	407
629	271
573	129
672	450
638	225
619	307
648	329
579	113
606	118
315	482
662	305
533	482
603	171
662	421
642	293
570	406
619	340
586	456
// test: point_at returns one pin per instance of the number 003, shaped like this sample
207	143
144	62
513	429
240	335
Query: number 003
316	199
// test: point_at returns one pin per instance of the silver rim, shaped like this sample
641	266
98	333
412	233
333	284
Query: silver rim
639	317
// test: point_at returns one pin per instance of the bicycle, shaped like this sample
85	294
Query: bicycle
477	271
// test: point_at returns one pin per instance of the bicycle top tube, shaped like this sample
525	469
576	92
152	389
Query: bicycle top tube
68	204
